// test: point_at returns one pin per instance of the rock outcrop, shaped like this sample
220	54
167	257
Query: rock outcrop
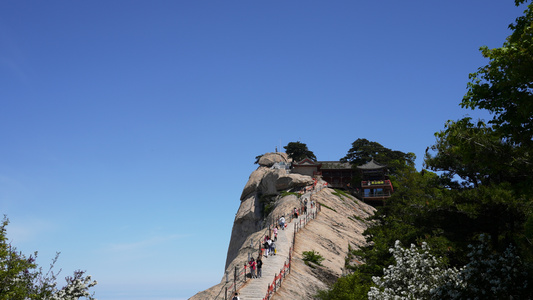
269	159
339	225
264	183
253	182
290	181
268	181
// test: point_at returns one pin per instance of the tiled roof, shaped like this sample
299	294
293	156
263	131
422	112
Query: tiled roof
305	162
372	165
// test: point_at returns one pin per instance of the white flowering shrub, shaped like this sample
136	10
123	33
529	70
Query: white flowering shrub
488	275
416	274
420	275
77	287
21	277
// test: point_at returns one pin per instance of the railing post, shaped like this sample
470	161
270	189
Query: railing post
290	263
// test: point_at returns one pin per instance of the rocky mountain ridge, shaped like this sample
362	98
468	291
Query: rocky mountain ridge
271	192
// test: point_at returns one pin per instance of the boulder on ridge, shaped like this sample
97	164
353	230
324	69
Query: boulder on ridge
269	159
288	181
268	183
253	181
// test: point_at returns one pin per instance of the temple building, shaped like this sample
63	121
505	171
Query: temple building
306	167
337	174
375	184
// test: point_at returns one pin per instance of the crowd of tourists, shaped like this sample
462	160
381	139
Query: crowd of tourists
269	246
269	243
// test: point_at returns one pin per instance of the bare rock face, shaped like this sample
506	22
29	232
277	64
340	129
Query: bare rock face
278	180
268	182
247	221
269	159
340	224
249	218
254	181
288	181
267	177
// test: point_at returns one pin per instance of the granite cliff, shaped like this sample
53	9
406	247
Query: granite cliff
269	193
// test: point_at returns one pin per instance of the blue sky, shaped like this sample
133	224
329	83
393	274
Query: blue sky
129	128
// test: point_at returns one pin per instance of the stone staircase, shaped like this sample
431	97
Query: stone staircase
255	289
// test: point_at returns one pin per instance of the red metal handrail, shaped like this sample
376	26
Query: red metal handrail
278	278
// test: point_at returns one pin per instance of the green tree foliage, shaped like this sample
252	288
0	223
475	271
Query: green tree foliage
312	257
494	162
352	287
489	274
298	151
413	214
22	279
470	151
363	151
482	185
505	85
494	187
474	194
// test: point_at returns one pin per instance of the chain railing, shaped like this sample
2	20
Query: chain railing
240	273
278	278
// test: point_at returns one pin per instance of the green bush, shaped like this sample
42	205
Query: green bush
352	287
286	193
268	202
312	257
268	208
355	217
324	205
340	193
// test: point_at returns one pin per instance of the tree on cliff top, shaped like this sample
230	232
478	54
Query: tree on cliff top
298	151
364	151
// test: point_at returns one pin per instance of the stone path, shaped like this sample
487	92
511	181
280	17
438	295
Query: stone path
256	289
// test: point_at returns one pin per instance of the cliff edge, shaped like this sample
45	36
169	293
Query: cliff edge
272	191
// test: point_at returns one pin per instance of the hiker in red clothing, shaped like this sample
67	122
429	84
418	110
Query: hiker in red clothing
253	266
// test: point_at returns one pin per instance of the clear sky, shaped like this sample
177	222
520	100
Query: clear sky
129	128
